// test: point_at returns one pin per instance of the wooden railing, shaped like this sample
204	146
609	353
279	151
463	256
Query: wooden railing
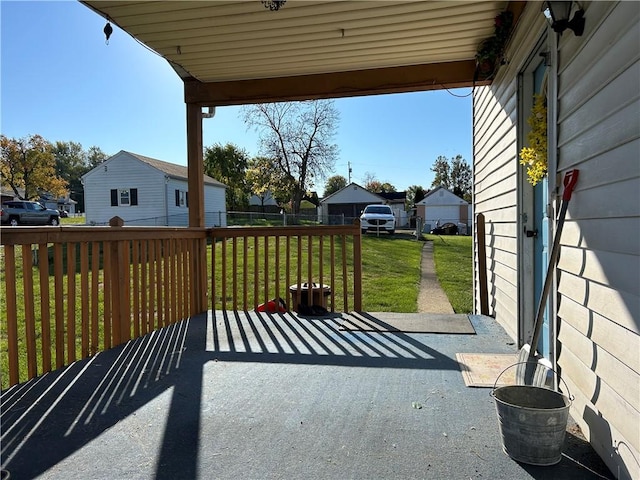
69	292
251	266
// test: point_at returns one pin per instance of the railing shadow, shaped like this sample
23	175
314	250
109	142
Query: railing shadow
50	418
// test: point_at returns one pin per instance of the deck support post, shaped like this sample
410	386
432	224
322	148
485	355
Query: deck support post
195	168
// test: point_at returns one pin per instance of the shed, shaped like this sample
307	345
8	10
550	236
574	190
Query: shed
147	191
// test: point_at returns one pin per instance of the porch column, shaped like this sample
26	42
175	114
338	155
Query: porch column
195	168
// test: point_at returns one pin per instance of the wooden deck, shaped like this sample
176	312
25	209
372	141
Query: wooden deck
230	395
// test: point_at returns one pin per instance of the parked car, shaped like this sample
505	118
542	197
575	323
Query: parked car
445	229
63	213
378	218
19	212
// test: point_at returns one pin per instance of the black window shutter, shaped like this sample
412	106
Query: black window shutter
177	198
134	196
114	198
186	195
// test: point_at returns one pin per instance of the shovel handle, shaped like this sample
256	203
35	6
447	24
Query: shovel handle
570	180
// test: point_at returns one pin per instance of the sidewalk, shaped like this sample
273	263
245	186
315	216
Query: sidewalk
431	298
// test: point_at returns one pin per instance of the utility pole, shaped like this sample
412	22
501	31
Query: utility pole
349	164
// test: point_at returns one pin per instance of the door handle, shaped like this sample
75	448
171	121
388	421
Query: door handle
531	233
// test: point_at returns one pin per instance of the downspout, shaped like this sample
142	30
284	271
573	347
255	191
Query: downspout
166	199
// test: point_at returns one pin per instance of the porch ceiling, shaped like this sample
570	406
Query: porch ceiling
240	52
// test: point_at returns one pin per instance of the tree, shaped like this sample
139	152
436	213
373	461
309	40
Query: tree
263	180
461	178
386	187
373	185
228	164
335	183
28	164
71	164
442	169
297	137
415	193
454	174
95	156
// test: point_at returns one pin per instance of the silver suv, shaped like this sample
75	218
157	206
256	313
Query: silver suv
378	218
16	213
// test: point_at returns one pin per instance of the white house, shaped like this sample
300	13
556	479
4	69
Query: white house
346	204
441	206
146	191
591	330
264	202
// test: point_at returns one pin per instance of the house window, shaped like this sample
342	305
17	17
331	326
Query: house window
124	197
182	199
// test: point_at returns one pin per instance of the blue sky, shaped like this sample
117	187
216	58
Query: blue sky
60	80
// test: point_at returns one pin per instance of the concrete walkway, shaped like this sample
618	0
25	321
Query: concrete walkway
431	297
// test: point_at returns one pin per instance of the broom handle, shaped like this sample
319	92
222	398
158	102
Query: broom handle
570	179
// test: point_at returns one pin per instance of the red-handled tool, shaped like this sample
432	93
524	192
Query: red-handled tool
526	371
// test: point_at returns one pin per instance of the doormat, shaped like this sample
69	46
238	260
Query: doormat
407	323
483	369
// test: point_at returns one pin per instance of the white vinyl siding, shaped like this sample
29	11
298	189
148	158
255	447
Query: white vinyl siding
155	192
123	172
597	289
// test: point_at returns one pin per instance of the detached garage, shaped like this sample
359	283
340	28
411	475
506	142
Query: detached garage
345	205
441	206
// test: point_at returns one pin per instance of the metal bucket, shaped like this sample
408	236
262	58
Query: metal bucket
533	422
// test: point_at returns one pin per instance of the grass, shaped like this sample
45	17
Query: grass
390	273
453	261
80	220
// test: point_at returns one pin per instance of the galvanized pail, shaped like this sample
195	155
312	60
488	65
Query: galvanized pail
533	422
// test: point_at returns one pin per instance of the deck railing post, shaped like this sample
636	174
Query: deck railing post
119	298
357	267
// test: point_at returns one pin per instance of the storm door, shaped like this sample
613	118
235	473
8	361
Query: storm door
534	208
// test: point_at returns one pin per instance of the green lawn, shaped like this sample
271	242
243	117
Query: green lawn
390	273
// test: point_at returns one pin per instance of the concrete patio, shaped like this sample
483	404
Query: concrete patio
235	395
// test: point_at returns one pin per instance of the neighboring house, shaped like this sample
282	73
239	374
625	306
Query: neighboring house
146	191
7	194
59	203
346	204
397	202
440	206
264	203
49	201
591	332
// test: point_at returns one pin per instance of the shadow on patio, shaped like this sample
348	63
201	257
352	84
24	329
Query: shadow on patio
249	395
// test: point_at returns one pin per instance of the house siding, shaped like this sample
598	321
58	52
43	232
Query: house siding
442	206
598	281
155	191
121	171
349	201
596	292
